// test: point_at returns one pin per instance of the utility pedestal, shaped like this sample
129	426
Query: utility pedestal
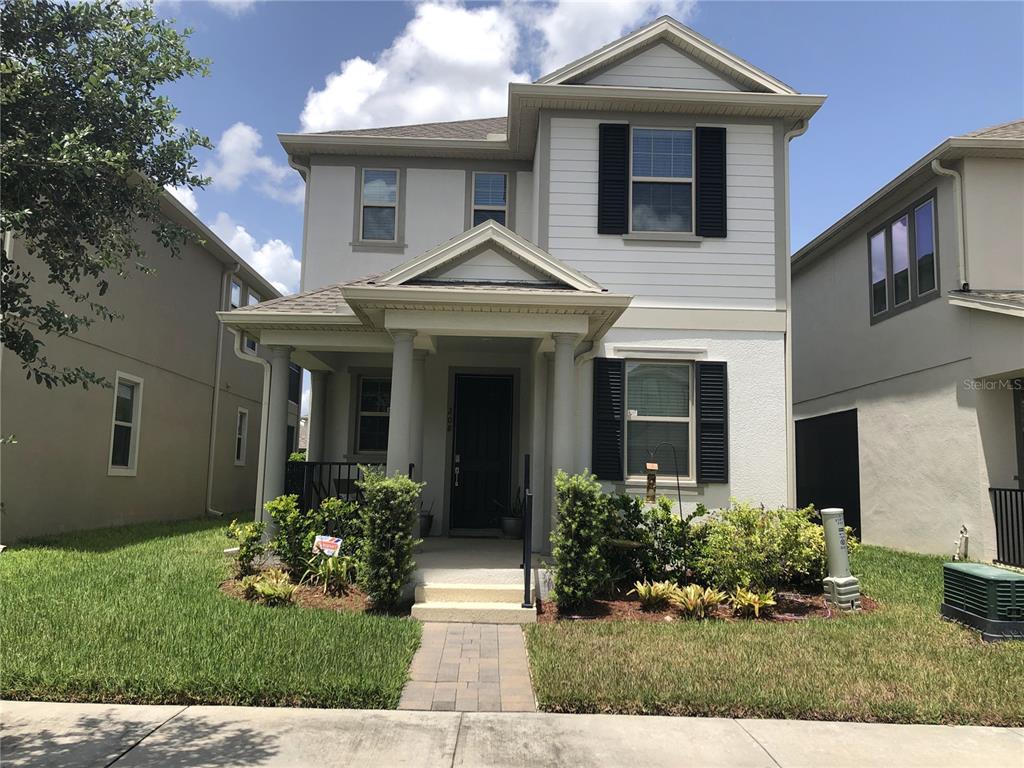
841	588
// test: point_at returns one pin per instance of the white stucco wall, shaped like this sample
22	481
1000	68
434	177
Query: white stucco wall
993	201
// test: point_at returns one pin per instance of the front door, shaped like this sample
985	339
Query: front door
481	450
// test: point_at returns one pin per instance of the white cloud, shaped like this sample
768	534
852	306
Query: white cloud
274	259
237	159
307	394
233	7
185	196
452	62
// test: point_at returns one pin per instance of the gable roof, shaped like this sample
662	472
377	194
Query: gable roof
478	129
487	234
1014	129
668	30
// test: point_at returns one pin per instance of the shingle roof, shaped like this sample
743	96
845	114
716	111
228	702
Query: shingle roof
984	297
458	129
320	301
1011	130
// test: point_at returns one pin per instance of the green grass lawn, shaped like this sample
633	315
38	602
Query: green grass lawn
134	615
901	663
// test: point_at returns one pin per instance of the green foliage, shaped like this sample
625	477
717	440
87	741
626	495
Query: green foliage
666	535
88	140
389	511
334	574
251	547
271	587
695	601
580	570
750	603
296	529
625	541
754	547
654	596
297	455
342	519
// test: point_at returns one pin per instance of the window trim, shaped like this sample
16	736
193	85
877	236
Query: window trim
691	129
691	476
916	298
250	295
473	207
135	425
235	283
242	416
359	413
362	205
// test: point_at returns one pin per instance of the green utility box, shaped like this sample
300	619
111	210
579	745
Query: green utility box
984	597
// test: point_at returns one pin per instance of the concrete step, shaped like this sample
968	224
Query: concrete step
468	593
475	613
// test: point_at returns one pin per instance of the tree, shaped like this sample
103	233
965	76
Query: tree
88	143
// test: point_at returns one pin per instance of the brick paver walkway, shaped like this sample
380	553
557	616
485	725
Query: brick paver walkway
470	668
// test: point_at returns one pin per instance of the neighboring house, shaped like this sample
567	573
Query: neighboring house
908	333
178	433
600	277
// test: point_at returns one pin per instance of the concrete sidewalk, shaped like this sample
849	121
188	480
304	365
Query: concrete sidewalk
42	734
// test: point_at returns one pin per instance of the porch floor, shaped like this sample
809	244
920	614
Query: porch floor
444	560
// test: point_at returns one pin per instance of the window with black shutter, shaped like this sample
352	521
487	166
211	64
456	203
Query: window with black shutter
709	177
613	179
609	418
712	422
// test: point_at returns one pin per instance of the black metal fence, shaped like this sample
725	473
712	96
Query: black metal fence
314	481
1008	509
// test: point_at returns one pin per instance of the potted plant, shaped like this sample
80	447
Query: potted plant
426	519
512	515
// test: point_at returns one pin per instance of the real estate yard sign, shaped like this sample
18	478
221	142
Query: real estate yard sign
327	545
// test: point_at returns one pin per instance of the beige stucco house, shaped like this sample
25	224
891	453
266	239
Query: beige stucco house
596	280
178	433
908	334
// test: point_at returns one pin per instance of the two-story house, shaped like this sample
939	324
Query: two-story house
598	280
177	433
908	333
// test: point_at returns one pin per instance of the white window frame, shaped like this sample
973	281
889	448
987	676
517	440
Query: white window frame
667	180
135	425
473	207
231	294
253	298
363	205
241	433
360	413
690	419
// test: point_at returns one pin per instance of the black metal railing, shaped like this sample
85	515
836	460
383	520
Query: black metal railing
1008	509
314	481
527	535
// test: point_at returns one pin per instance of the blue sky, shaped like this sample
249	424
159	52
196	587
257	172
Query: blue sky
900	77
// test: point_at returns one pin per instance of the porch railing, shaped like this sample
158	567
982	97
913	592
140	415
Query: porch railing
527	535
314	481
1008	509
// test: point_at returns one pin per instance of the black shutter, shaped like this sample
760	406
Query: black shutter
709	176
609	417
712	422
613	179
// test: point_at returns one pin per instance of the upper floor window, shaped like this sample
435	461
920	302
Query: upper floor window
379	204
490	197
236	294
124	434
658	414
254	298
661	182
250	343
902	260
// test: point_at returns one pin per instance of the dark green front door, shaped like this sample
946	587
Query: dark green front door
481	450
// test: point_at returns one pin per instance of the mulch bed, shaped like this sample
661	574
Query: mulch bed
791	606
311	596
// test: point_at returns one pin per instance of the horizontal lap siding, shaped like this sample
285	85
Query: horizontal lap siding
661	67
736	271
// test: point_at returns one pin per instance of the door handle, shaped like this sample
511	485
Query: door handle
456	477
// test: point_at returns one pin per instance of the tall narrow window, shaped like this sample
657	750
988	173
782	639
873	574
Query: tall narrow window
241	436
658	410
924	246
879	299
662	180
236	294
490	197
124	435
901	260
374	406
379	217
254	298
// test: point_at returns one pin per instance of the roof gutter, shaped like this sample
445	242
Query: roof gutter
958	193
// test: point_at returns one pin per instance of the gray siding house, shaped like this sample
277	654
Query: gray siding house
908	353
178	434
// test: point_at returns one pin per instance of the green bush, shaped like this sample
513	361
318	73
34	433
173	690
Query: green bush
625	542
389	510
695	601
580	571
757	548
343	519
334	574
665	535
297	455
296	529
271	587
654	596
251	547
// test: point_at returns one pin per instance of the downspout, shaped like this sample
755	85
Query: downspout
958	193
216	395
797	130
262	460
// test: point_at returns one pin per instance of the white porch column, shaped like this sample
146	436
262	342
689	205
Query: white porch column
399	453
317	415
277	424
563	403
416	417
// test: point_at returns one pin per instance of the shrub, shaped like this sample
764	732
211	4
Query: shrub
695	601
749	603
334	574
666	536
654	596
753	547
342	519
296	529
388	513
251	547
271	587
580	570
626	541
297	455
